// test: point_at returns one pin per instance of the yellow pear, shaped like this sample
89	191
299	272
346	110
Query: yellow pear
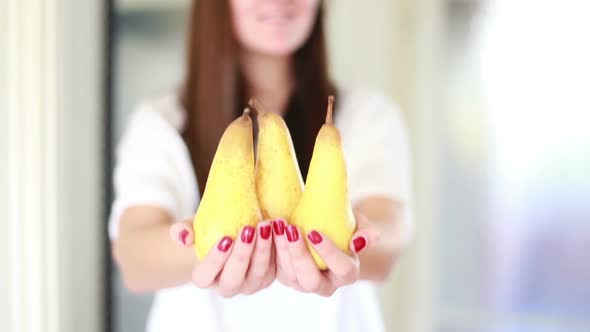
278	180
229	201
324	205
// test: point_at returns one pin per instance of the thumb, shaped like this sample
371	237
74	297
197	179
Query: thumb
366	235
182	233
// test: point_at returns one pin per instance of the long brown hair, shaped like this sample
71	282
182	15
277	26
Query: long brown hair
214	90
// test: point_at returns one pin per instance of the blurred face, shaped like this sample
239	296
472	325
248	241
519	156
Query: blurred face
273	27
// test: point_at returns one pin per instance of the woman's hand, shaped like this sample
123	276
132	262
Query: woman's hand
243	267
297	269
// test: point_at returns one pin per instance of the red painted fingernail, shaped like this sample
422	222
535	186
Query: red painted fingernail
265	232
182	236
292	233
279	226
225	243
359	243
248	234
314	237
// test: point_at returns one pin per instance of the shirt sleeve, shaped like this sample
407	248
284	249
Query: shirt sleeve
144	172
377	151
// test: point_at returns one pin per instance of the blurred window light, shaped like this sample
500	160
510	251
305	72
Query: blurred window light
535	62
536	69
516	214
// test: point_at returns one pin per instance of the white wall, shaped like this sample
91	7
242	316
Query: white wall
362	43
50	193
393	47
4	305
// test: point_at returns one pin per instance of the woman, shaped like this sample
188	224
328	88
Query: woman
273	51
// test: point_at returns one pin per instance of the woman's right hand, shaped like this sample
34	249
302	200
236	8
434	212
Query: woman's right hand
244	266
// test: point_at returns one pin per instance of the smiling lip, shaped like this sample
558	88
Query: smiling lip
275	18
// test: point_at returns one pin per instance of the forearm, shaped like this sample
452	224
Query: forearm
147	257
385	217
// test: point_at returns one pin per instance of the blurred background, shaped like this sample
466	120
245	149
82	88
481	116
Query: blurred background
494	93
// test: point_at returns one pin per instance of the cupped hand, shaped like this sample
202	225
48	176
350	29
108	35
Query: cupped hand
297	269
243	266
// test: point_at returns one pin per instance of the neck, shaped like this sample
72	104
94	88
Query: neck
268	79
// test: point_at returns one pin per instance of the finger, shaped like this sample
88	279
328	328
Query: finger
182	233
261	258
272	273
205	272
233	273
281	276
343	266
365	236
283	260
268	279
289	281
306	271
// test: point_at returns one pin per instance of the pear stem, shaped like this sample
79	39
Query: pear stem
246	112
330	109
257	105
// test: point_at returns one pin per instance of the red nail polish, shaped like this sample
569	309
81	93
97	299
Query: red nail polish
224	244
182	236
279	226
292	233
265	232
359	243
248	234
314	237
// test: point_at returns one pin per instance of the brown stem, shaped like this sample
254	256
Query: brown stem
246	112
256	105
330	108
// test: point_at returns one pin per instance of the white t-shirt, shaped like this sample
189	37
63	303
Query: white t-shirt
154	167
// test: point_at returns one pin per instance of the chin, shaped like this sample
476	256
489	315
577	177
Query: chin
278	50
278	46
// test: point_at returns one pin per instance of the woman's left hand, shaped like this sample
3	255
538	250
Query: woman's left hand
297	269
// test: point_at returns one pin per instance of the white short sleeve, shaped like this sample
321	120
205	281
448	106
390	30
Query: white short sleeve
148	170
376	147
